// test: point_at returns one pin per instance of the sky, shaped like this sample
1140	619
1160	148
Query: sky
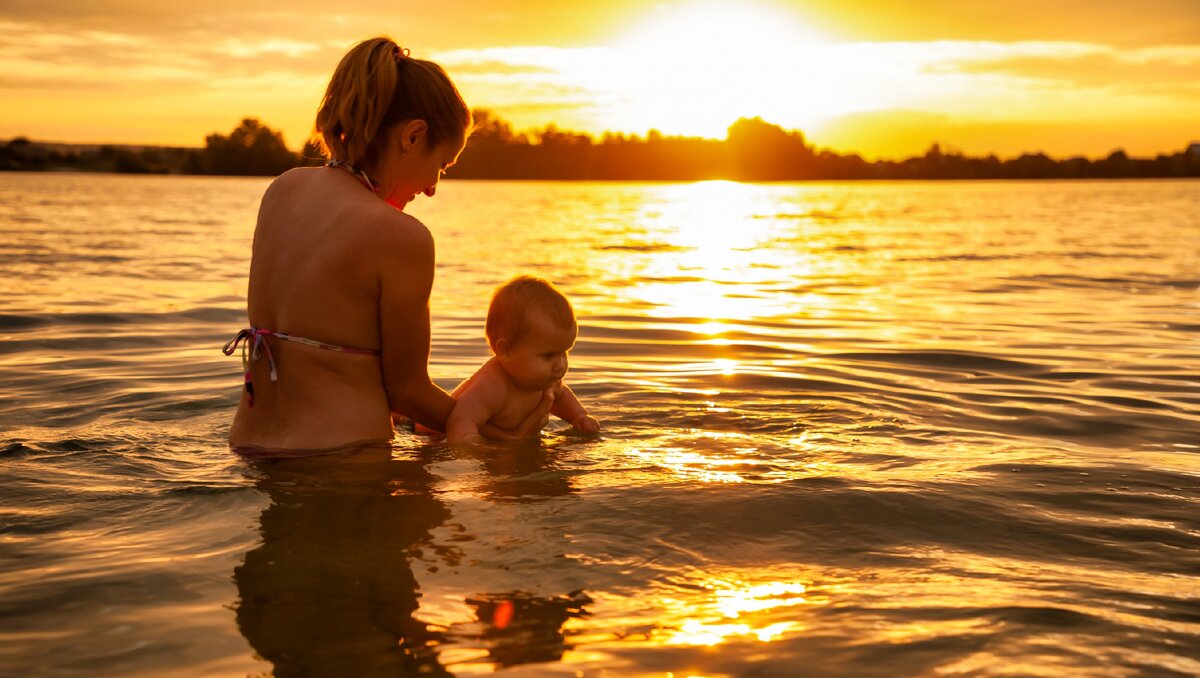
884	78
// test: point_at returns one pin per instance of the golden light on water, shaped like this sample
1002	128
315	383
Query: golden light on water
734	601
717	265
711	328
698	633
721	457
691	466
749	499
729	611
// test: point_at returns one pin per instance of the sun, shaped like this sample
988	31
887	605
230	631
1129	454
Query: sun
696	68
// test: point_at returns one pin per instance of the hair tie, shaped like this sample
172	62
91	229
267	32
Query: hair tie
400	52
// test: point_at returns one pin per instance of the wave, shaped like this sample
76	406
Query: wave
211	314
957	360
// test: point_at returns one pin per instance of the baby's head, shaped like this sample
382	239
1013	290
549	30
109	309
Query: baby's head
531	327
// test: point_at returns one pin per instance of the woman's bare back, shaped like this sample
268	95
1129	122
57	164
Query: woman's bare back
315	273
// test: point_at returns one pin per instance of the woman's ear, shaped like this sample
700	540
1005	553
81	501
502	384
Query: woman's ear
413	133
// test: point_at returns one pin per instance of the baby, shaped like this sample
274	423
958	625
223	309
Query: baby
530	328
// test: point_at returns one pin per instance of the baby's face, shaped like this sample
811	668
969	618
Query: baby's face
539	359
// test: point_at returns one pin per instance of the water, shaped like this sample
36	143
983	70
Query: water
860	429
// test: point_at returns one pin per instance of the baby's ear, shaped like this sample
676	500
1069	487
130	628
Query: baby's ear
501	347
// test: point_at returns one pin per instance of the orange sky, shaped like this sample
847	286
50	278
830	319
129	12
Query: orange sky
882	77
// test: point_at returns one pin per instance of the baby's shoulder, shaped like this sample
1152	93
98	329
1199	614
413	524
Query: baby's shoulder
489	382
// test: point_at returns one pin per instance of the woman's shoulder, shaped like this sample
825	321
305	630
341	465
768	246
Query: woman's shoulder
359	209
392	227
294	191
395	241
291	180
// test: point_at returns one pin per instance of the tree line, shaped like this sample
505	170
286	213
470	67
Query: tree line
251	149
753	150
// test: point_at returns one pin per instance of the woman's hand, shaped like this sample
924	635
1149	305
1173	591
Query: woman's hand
423	430
529	427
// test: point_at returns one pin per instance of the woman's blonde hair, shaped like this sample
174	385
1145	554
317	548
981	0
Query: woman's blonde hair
377	85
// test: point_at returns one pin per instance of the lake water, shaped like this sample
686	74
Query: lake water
868	429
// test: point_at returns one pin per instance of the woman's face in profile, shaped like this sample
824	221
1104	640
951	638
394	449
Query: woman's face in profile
444	155
423	166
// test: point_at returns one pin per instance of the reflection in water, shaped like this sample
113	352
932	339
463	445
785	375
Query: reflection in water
496	616
331	589
523	472
519	628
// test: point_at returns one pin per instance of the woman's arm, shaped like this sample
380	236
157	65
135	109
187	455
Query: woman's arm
405	281
406	267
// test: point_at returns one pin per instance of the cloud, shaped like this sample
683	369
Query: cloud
421	26
1145	69
36	56
490	67
1121	23
523	80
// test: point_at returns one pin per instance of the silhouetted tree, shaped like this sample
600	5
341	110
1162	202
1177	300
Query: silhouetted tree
491	129
765	152
1117	164
18	154
251	149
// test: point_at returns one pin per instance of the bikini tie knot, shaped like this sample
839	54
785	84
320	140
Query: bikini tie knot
254	344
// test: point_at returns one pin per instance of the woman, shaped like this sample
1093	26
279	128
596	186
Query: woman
340	276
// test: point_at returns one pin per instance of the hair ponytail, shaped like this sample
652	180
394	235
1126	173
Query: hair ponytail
377	85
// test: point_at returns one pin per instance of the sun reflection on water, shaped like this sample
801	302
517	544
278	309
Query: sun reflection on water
725	365
708	466
731	612
719	265
690	465
711	328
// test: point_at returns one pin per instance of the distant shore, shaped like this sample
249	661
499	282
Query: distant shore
754	150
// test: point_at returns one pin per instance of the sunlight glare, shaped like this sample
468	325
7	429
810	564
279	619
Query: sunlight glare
721	265
712	328
703	65
733	602
691	465
735	599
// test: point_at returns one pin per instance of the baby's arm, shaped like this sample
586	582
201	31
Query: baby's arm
477	402
568	408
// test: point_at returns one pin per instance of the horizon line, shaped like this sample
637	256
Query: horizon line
945	148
